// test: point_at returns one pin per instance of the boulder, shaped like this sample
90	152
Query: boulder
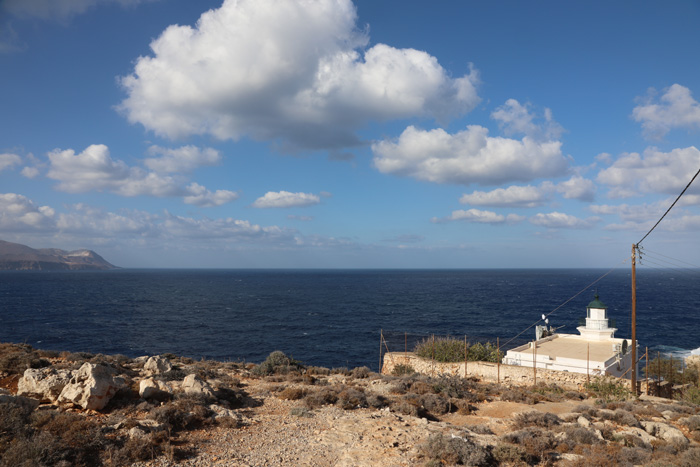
195	386
91	387
220	413
150	388
157	365
44	384
644	438
666	432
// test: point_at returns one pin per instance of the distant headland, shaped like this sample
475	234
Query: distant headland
16	257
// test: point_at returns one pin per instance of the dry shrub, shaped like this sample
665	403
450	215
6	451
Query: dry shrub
481	429
16	358
692	422
324	396
600	455
538	419
377	401
520	395
447	450
421	387
576	435
292	393
508	454
435	404
535	442
361	372
186	412
690	458
409	405
351	398
318	371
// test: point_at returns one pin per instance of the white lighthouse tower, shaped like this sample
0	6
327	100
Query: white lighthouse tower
597	326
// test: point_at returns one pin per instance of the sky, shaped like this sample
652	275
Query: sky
340	134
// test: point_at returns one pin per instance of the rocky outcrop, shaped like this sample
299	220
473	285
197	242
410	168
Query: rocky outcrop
15	257
91	387
666	432
44	384
157	365
150	388
194	386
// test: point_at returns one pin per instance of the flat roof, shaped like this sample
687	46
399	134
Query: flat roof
572	346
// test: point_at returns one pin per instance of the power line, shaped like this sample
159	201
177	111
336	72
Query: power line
567	301
671	207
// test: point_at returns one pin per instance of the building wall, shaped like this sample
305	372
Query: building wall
485	371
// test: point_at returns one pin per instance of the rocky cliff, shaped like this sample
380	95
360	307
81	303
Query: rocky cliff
16	257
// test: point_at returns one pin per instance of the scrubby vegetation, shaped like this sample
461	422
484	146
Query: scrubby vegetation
451	350
611	431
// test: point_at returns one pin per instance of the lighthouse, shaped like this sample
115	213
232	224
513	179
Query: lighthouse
597	326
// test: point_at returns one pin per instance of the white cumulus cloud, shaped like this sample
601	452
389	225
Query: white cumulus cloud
200	196
8	160
530	196
94	169
675	108
652	172
285	199
286	70
469	156
560	220
19	214
513	196
478	216
182	159
515	118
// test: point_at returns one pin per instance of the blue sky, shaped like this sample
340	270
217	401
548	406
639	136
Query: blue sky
319	133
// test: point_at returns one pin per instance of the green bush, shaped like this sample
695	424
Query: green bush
402	369
609	389
277	363
451	350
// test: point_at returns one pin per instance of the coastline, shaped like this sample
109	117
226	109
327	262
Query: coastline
169	410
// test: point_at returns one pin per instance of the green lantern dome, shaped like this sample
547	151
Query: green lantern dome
596	303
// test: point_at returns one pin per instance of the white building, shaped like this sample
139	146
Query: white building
595	350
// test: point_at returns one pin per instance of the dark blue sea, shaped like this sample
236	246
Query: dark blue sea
331	318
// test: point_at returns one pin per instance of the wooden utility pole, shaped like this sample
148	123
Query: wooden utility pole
634	319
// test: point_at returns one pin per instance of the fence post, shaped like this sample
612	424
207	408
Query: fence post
465	355
588	371
646	372
534	362
498	361
433	359
381	338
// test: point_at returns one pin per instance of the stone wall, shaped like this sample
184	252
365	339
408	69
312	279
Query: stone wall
485	371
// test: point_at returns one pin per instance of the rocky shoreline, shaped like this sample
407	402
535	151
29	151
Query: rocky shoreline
82	409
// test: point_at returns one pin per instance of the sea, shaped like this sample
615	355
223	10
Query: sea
333	318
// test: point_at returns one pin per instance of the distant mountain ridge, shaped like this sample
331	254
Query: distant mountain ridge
17	257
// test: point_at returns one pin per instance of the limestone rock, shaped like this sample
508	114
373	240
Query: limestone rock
44	384
222	412
91	387
583	421
193	385
157	365
644	437
150	388
666	432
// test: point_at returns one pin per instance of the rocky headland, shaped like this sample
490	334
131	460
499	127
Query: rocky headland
82	409
17	257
